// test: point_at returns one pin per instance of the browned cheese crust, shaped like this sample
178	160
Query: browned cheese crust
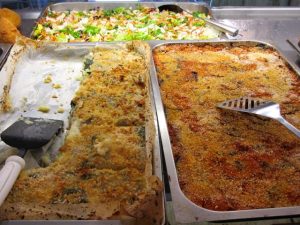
104	167
229	160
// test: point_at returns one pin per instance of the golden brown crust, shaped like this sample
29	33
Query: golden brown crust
35	211
11	15
105	162
229	160
8	32
147	207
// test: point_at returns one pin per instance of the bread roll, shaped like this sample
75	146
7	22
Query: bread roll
12	16
8	31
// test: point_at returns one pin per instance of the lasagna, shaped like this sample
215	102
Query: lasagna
104	168
230	160
122	24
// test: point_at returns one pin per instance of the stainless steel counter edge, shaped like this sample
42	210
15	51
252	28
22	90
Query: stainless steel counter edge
256	12
185	210
295	43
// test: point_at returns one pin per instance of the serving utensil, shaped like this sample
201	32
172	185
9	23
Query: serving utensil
259	107
219	26
295	44
4	50
26	133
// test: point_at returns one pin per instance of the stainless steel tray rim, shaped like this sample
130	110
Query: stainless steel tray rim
187	211
63	6
155	4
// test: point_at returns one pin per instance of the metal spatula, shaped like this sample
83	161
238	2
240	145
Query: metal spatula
259	107
27	133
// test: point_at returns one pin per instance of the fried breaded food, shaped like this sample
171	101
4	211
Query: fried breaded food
8	31
12	16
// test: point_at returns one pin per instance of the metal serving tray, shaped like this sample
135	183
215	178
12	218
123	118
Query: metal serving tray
4	49
157	163
111	5
59	7
295	43
184	209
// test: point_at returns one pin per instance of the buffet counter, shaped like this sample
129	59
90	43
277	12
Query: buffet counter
270	25
273	25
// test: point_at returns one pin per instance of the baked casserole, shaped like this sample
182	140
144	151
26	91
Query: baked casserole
104	168
229	160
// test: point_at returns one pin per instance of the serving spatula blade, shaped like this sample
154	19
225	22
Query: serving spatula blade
246	104
26	133
258	107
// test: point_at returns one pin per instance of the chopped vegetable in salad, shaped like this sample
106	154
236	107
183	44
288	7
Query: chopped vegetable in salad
122	24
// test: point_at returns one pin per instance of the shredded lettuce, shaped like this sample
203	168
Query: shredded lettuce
107	13
122	24
94	39
199	23
156	32
91	30
198	14
118	10
132	36
51	14
47	24
80	13
38	30
141	25
111	12
71	31
62	37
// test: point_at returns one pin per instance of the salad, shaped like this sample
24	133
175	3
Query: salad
122	24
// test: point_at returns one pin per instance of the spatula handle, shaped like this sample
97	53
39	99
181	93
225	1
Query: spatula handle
9	174
289	126
223	27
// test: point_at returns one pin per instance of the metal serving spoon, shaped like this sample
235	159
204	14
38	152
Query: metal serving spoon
219	26
258	107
